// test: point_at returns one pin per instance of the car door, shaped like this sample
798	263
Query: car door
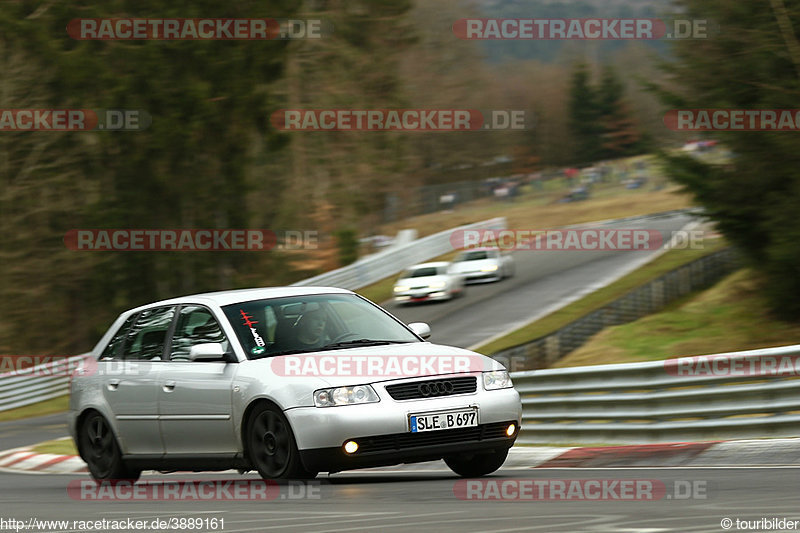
130	381
194	397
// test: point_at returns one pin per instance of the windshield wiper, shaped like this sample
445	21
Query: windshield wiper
359	342
273	354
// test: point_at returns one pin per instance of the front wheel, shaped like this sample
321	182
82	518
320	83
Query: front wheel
271	446
101	452
476	464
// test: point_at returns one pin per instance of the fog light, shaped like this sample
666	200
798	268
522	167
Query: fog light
351	446
510	430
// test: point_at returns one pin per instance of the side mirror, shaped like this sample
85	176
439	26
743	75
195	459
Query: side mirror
420	328
209	351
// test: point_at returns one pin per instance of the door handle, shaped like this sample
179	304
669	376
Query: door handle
112	384
169	386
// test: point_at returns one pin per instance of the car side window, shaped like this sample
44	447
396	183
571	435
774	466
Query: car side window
196	325
145	339
114	347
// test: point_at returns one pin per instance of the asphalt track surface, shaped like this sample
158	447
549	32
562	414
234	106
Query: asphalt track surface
427	501
543	278
17	433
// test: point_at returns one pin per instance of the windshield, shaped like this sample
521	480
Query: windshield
300	324
423	272
475	255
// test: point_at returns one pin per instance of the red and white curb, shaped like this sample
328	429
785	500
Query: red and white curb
737	453
26	460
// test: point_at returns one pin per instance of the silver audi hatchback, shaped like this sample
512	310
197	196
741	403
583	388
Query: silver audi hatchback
288	381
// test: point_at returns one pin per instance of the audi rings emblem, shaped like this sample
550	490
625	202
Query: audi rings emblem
435	388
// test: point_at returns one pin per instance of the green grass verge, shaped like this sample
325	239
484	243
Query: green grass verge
601	297
58	447
733	315
47	407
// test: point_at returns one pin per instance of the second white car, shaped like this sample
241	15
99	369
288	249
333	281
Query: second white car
428	281
484	264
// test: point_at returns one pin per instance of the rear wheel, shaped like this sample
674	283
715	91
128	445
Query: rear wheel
101	452
271	446
476	464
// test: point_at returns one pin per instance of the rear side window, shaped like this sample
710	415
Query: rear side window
145	339
114	346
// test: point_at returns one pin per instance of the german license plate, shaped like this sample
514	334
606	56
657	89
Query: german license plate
461	418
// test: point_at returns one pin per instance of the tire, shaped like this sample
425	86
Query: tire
271	445
101	452
476	464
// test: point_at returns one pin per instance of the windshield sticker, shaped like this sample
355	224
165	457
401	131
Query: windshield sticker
248	322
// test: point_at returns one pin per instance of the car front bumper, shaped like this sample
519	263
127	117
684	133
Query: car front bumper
483	276
386	450
422	296
383	433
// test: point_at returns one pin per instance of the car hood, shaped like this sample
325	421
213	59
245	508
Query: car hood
393	362
291	379
472	266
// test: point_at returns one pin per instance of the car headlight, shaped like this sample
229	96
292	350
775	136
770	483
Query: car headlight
490	268
345	396
401	288
437	285
497	379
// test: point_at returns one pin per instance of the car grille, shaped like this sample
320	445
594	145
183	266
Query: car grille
432	388
404	441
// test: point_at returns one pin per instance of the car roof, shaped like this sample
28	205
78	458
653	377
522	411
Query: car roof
223	298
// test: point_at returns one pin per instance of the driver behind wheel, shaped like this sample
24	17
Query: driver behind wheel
310	330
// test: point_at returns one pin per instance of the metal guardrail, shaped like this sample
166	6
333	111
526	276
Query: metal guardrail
37	383
389	262
740	396
642	301
656	401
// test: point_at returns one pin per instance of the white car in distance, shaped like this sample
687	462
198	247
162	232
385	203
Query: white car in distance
484	264
428	281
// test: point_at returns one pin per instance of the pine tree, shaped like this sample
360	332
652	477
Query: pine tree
585	117
752	64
